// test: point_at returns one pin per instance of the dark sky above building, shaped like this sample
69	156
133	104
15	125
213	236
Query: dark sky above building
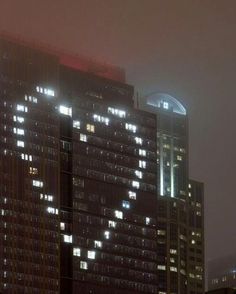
185	48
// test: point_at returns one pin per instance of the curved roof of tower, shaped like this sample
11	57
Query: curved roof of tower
166	101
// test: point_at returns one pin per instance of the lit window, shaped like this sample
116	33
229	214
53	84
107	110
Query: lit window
119	214
97	244
45	91
84	265
165	105
76	124
135	184
131	127
173	269
117	112
161	232
33	171
20	132
67	238
142	152
19	119
138	140
190	186
107	234
179	157
62	226
142	164
65	110
91	254
138	174
37	183
111	224
52	210
20	144
31	99
161	267
125	204
20	107
101	119
90	128
173	251
147	220
132	195
76	251
26	157
83	138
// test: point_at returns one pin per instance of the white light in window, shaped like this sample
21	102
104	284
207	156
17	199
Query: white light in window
142	164
20	107
179	158
76	124
131	127
107	234
142	152
52	210
138	140
161	267
45	91
62	226
138	174
165	105
125	204
83	138
135	184
76	251
91	254
83	265
97	244
119	214
132	195
65	110
101	119
20	144
111	224
173	269
37	183
117	112
173	251
20	132
19	119
67	238
147	220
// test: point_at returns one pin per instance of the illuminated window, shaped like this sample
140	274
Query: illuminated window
101	119
62	226
142	152
83	138
111	224
161	267
67	238
125	204
173	251
132	195
135	184
161	232
76	124
179	158
119	214
91	254
76	251
33	171
52	210
138	174
83	265
190	186
107	234
65	110
97	244
142	164
19	119
26	156
45	91
31	99
147	220
37	183
20	107
20	144
138	140
165	105
90	128
117	112
131	127
173	269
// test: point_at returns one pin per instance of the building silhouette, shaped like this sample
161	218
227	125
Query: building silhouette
95	192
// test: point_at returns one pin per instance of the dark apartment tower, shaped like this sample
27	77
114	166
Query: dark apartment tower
95	195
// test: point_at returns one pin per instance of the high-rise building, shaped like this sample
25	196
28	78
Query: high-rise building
95	195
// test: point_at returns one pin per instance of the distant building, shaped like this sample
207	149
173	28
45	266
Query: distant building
95	193
222	272
222	291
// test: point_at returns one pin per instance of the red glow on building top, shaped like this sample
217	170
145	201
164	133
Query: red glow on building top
71	60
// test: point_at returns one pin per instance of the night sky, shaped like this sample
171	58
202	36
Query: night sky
185	48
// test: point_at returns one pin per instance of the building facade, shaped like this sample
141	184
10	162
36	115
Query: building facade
95	194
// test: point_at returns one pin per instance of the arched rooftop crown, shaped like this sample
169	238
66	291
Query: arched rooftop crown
162	100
